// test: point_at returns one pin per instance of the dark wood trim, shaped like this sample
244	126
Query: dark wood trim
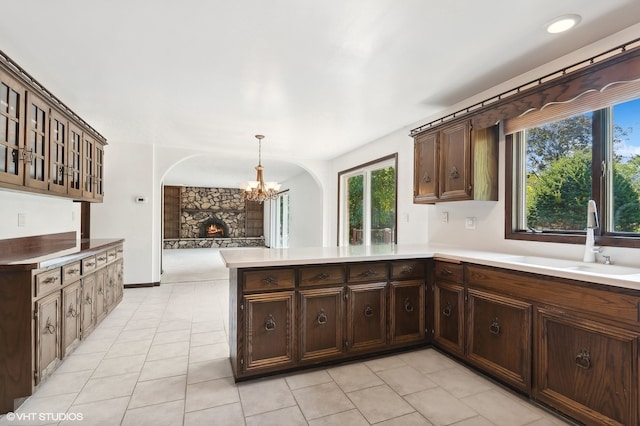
141	285
85	220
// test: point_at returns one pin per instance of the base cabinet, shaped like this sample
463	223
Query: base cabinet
499	337
44	314
587	369
448	306
47	335
269	320
321	323
286	318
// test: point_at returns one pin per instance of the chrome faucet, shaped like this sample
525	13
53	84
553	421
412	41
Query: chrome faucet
592	223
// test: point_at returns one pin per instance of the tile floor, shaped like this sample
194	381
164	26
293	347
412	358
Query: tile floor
160	358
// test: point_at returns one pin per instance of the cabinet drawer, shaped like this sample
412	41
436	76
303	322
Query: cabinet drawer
363	272
119	251
452	272
111	255
101	259
321	275
47	281
407	269
269	279
71	272
88	264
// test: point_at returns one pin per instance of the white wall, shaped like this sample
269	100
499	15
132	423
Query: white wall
42	215
129	171
305	221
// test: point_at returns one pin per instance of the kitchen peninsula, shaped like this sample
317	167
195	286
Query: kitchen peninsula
564	333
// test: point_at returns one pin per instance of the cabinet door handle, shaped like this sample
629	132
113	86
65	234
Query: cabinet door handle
322	318
50	280
426	178
322	276
88	300
270	323
368	273
494	328
50	327
408	306
446	272
454	173
368	311
270	280
73	271
406	269
89	264
446	311
72	312
583	359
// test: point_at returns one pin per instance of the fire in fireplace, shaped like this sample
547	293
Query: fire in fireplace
214	228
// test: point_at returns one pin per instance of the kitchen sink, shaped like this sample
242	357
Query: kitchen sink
572	265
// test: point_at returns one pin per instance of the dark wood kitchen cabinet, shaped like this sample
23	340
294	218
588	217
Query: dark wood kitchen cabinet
448	302
587	369
45	310
499	337
323	312
456	162
44	146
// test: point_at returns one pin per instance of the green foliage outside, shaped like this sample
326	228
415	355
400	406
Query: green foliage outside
383	199
559	178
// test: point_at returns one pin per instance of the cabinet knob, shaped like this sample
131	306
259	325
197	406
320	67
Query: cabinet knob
494	328
270	323
72	312
270	280
446	311
368	311
583	359
322	318
408	306
454	173
368	273
50	327
406	269
322	276
426	178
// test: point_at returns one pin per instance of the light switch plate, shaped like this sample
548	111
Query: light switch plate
470	223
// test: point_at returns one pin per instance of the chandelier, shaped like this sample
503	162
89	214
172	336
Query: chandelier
258	190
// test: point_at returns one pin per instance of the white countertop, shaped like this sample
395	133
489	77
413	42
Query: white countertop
614	275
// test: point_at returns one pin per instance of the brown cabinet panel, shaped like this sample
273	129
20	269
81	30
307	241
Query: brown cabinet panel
455	157
426	168
321	323
447	271
88	304
47	335
366	316
269	279
47	281
321	275
449	316
172	211
12	119
71	272
586	369
37	143
499	337
407	310
270	330
407	269
100	292
71	313
366	272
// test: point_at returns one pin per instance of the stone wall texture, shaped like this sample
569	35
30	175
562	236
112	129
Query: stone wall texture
200	205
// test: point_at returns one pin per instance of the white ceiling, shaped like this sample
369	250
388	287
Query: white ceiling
317	78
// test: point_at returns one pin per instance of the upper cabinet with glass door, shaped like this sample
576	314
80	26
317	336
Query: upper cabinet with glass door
43	145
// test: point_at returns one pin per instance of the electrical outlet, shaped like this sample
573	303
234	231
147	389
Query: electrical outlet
470	223
445	217
21	220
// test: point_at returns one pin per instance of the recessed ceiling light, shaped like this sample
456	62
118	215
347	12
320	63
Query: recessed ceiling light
563	23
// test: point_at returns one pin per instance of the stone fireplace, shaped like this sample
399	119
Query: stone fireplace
212	217
214	228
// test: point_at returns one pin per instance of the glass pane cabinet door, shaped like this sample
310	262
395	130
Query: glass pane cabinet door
11	138
74	161
57	149
37	149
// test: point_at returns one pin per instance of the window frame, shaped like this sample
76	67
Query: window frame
344	174
600	190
